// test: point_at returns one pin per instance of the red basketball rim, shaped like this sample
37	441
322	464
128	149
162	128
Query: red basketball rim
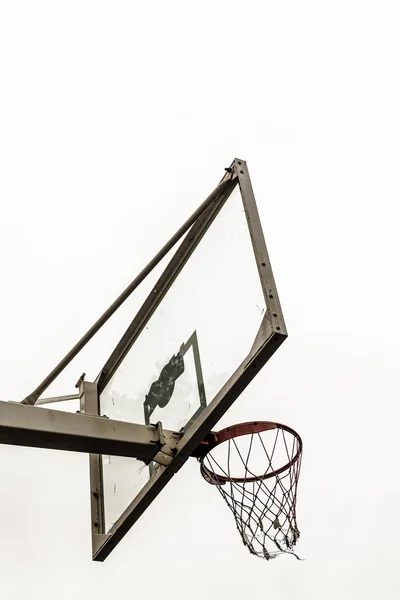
247	429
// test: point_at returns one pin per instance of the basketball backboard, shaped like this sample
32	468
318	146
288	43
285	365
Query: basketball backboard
208	326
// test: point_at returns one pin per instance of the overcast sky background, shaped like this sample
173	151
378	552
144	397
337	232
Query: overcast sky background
116	121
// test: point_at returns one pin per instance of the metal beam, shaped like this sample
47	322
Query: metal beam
23	425
42	401
263	262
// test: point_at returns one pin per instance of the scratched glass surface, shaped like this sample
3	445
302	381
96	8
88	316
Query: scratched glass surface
200	333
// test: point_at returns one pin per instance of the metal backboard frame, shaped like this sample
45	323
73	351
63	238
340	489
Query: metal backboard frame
165	451
271	334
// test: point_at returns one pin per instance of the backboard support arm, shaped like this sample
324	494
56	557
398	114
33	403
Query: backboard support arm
22	425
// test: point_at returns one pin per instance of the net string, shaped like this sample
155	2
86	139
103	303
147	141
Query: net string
264	509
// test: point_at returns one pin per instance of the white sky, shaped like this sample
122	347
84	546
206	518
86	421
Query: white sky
116	121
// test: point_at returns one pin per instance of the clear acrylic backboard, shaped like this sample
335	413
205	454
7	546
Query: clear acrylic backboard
192	351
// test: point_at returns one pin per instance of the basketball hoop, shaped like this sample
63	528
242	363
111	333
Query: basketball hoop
255	467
